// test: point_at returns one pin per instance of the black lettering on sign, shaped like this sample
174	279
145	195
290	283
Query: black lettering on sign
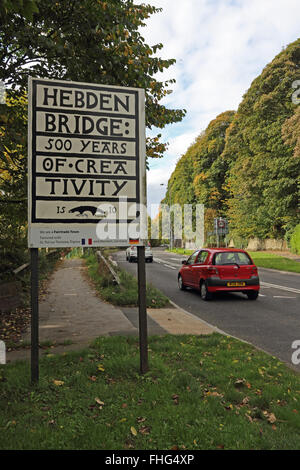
94	187
88	166
118	187
73	124
92	146
93	100
120	167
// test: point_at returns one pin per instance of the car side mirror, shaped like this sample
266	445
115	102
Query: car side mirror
184	261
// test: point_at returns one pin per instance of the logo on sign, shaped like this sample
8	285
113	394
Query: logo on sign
2	353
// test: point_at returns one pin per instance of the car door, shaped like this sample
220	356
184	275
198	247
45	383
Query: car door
198	267
186	270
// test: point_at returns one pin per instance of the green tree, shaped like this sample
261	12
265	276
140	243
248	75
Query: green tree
200	173
13	212
209	168
90	41
25	8
291	132
263	172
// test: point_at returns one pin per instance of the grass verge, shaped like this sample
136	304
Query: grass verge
125	294
205	392
273	261
261	259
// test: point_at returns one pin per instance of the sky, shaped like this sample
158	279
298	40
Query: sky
220	47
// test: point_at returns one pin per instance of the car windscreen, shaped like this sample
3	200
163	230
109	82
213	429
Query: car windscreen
231	257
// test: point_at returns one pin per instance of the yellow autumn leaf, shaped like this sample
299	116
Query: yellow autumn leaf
133	431
101	368
58	383
97	400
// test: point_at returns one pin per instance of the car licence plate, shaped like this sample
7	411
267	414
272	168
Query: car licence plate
236	284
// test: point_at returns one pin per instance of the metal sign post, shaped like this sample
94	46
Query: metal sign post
34	254
220	228
142	311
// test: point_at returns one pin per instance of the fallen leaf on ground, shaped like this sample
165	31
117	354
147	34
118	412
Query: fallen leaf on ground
216	394
101	403
175	399
271	418
140	419
239	383
144	430
58	383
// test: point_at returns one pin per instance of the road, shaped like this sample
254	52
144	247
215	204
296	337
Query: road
271	323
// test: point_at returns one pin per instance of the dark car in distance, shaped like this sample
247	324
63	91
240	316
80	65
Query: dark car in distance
214	270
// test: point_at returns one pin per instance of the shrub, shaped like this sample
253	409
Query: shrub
295	240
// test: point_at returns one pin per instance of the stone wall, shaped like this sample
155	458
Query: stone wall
255	244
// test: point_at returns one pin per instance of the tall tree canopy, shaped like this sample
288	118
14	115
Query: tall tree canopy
90	41
263	170
247	164
199	175
209	168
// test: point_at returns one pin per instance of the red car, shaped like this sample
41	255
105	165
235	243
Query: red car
220	270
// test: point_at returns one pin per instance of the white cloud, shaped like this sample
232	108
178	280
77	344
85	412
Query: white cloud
220	47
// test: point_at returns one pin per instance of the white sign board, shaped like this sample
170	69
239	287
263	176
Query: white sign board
86	163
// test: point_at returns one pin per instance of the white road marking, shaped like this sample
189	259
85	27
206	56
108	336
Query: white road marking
283	297
288	289
169	266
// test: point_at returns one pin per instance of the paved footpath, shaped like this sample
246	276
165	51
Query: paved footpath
72	312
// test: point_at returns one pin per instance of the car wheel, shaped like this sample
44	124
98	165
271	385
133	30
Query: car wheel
252	295
205	295
180	283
